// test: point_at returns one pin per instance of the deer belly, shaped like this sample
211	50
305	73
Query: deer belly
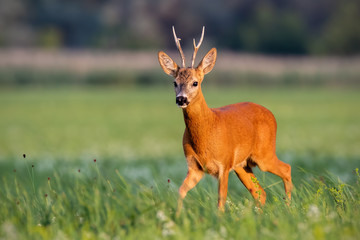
214	168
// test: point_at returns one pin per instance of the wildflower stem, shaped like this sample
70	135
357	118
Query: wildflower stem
31	176
271	185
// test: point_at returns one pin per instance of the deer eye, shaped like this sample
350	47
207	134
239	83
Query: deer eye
175	84
195	84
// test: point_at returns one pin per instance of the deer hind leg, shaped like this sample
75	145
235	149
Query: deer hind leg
192	178
247	177
281	169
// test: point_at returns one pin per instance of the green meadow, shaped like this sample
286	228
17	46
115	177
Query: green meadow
106	163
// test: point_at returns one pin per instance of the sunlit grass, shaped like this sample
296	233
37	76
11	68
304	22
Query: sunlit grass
100	200
58	191
129	123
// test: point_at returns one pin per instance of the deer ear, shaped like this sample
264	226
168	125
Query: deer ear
208	62
167	64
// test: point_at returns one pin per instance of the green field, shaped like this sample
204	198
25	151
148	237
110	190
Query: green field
58	192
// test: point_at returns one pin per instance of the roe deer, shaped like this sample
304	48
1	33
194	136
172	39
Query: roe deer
217	140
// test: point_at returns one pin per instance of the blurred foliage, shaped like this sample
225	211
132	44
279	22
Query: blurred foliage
34	78
267	26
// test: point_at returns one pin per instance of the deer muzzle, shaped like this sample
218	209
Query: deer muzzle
182	101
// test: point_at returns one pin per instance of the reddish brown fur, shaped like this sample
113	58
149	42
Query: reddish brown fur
217	140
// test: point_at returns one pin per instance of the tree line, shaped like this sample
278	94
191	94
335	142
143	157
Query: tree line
327	27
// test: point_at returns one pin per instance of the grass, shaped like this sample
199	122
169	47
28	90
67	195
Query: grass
58	191
131	122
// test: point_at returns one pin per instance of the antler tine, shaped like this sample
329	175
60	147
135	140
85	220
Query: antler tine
177	41
196	47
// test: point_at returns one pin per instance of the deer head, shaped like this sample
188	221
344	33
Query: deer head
187	80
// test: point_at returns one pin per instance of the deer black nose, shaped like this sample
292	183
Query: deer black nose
181	100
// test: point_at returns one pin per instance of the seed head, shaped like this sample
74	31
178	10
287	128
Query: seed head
78	170
94	160
46	195
48	178
168	180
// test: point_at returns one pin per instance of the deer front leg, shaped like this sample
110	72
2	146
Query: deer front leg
223	187
192	178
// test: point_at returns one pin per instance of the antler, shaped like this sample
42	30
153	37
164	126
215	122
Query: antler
177	41
196	47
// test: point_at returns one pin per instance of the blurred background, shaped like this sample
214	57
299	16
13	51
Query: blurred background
104	42
80	78
327	27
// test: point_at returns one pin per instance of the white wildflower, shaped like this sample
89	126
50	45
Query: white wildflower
302	226
104	236
161	216
313	212
331	216
167	232
223	232
60	235
9	230
211	234
167	224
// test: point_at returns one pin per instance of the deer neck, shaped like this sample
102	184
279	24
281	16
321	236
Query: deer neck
199	118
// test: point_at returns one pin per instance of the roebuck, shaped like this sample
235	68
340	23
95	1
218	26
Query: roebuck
218	140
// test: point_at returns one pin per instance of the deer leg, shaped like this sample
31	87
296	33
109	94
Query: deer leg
223	188
192	178
281	169
249	180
